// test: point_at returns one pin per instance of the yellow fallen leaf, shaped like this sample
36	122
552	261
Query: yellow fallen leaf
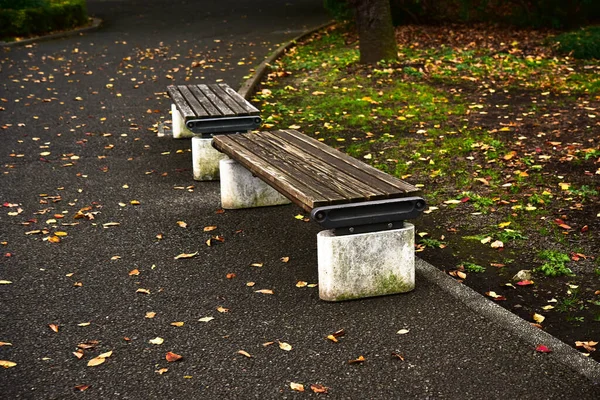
135	202
5	344
264	291
60	233
285	259
7	364
110	224
332	338
209	228
402	331
250	284
105	355
298	387
182	224
186	255
178	324
94	362
503	225
54	327
301	284
157	340
145	291
150	314
256	265
244	353
5	282
285	346
222	309
134	272
84	324
162	371
538	318
206	319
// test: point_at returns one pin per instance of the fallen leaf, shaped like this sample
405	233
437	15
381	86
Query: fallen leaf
105	355
297	386
525	283
82	388
109	224
182	224
402	331
7	364
157	340
54	327
301	284
209	228
162	371
3	282
5	344
538	318
250	284
244	353
256	265
178	324
285	346
542	349
186	255
222	309
358	360
134	272
398	356
150	314
94	362
332	338
172	357
284	259
264	291
84	324
497	244
145	291
317	388
206	319
230	275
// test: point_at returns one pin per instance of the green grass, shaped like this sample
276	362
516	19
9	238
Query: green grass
555	263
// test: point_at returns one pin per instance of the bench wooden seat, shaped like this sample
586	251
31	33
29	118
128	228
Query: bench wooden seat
338	190
214	108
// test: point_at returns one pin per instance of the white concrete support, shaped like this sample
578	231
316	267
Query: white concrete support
205	159
240	189
366	264
179	129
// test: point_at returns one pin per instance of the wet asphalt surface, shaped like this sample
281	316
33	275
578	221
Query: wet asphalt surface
78	138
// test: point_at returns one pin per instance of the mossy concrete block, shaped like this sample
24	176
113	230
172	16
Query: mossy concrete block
240	189
180	131
205	159
366	264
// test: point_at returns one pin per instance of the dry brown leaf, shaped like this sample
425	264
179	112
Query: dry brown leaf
358	360
162	371
145	291
82	388
285	259
150	314
134	272
5	344
209	228
317	388
182	224
178	324
171	357
54	327
222	309
186	255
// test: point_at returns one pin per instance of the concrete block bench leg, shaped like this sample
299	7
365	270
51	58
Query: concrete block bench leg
240	189
366	264
205	159
180	131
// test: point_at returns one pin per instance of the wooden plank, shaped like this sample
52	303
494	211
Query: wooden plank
212	111
375	174
216	101
340	165
180	103
345	184
305	183
271	174
197	108
250	109
231	103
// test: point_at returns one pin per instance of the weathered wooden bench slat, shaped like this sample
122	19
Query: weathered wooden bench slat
274	176
216	101
231	103
403	189
308	180
184	108
210	110
346	185
311	185
388	190
250	109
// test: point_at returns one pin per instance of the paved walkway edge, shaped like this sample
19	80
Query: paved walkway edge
561	351
247	89
96	22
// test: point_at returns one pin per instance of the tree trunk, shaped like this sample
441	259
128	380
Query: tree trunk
375	30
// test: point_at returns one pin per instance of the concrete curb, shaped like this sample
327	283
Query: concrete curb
561	352
96	23
249	86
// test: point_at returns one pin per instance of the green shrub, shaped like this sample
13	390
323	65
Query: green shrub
555	264
583	44
36	17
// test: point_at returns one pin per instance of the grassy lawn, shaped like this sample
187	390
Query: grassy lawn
502	134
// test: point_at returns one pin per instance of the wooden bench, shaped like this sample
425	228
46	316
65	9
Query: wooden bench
367	249
208	109
199	112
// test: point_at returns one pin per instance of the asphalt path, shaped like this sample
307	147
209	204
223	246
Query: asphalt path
95	206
